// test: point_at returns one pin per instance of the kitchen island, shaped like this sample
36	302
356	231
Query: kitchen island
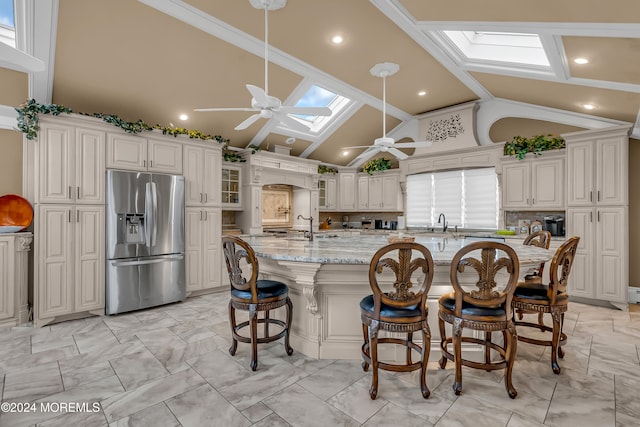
327	278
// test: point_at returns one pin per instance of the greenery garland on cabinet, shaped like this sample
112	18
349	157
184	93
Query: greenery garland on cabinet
28	122
376	165
520	146
327	169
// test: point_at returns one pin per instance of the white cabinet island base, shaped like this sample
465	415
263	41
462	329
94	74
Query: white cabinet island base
327	278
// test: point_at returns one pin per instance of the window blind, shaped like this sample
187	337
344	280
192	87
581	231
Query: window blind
468	198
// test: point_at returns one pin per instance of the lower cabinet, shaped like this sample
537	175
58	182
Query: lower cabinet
14	304
69	257
203	248
600	268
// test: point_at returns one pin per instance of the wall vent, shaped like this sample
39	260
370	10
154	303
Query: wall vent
634	295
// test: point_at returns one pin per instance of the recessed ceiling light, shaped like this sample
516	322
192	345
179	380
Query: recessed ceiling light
589	106
422	93
183	117
345	153
290	140
581	61
337	39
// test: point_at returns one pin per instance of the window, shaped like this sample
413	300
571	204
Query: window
317	96
7	23
468	198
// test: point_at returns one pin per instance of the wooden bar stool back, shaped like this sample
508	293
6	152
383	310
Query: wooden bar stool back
551	298
540	239
399	308
485	308
254	295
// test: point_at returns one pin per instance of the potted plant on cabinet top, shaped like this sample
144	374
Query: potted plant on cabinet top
520	146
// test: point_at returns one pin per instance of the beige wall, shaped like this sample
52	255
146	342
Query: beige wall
634	211
10	162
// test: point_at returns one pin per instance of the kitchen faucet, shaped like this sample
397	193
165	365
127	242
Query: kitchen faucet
445	224
310	234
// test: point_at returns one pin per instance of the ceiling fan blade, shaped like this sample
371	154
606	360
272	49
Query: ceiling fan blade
259	95
227	109
368	151
356	146
416	144
248	122
399	154
291	123
307	111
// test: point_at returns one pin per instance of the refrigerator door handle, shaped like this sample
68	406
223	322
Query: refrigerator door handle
148	214
154	202
145	261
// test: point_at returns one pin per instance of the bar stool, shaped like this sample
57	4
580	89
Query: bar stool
253	295
540	239
401	309
483	309
551	298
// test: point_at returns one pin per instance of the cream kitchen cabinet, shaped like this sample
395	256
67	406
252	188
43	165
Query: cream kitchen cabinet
202	173
14	304
347	191
380	192
598	170
203	248
328	193
71	165
601	266
143	154
536	183
231	187
69	258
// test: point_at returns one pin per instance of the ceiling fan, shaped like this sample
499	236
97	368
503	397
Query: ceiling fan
264	105
386	144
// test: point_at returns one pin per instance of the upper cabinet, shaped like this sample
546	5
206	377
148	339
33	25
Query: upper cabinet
231	186
380	192
71	165
328	193
202	173
143	154
597	170
536	183
347	191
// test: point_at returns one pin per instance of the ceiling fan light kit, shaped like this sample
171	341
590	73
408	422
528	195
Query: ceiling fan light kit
262	104
386	144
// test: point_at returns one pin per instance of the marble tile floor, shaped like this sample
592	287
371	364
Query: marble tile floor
169	366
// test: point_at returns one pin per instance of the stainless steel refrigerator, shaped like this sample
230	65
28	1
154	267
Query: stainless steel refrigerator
145	240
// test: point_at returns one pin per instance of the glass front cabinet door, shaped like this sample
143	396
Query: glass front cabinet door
231	187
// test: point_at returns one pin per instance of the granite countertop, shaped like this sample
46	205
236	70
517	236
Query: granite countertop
330	248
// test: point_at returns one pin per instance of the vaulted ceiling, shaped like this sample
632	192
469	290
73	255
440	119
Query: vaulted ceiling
156	59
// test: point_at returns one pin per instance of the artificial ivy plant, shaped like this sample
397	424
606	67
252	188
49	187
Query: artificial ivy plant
520	146
327	169
376	165
28	122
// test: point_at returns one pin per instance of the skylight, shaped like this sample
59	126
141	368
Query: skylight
494	46
7	23
317	96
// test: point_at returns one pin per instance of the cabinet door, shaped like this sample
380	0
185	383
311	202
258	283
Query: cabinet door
211	249
231	185
516	185
391	193
126	152
612	172
56	172
363	192
89	258
7	279
89	166
547	184
165	156
212	177
580	222
347	191
612	254
580	174
193	247
332	193
375	193
193	164
256	206
54	260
